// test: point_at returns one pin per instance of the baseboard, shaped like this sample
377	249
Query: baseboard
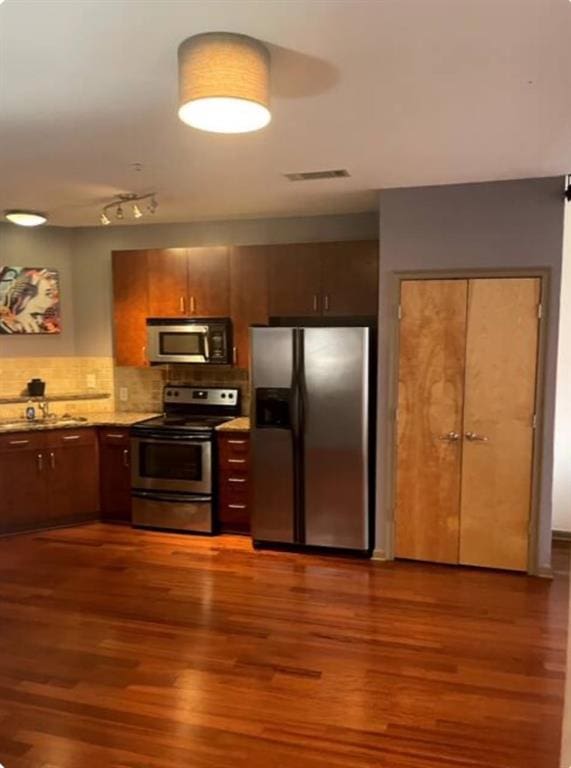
561	535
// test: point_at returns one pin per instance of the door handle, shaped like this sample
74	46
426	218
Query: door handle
234	355
192	305
315	303
126	457
52	460
40	459
474	437
326	303
450	437
181	304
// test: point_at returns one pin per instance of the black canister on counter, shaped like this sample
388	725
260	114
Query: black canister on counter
36	388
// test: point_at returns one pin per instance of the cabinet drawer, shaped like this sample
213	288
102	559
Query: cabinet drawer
114	436
234	483
66	438
234	516
22	441
235	453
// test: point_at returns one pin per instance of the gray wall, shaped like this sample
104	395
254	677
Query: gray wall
497	225
41	247
92	256
562	448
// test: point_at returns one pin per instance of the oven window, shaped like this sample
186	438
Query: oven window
181	343
170	461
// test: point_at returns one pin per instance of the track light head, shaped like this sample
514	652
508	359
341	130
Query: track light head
119	212
137	213
104	219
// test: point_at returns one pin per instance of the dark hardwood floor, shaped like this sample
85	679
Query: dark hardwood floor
127	649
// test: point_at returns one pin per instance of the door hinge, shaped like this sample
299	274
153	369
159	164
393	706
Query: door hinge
399	312
539	311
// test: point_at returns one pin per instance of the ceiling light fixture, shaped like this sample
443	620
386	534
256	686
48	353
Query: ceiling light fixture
26	218
116	207
224	83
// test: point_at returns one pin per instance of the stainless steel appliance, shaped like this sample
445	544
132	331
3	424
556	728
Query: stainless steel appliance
173	456
312	436
189	340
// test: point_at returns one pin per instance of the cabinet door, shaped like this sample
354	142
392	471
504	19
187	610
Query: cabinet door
295	280
208	282
23	484
349	278
115	475
501	371
233	483
167	275
248	296
130	307
73	476
430	402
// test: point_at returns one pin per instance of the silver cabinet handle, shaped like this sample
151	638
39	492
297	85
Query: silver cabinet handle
236	506
40	460
326	303
192	305
115	435
144	353
52	460
234	355
474	437
236	442
450	437
126	457
315	302
181	305
236	461
18	442
71	437
236	479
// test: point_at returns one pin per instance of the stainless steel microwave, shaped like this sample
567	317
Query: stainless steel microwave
189	340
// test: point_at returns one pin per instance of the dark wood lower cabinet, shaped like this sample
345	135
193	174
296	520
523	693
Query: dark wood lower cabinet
48	479
234	482
115	475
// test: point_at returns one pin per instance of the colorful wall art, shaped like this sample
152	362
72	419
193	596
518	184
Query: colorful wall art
29	300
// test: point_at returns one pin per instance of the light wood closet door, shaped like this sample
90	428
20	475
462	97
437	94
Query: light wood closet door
430	401
501	372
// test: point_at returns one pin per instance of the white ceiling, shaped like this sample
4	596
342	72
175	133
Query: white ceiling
399	92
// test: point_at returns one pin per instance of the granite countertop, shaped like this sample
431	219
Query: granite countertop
113	419
241	424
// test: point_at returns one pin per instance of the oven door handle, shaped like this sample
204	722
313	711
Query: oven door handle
172	497
160	437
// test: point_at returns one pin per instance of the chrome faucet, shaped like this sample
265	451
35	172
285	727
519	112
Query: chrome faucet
44	407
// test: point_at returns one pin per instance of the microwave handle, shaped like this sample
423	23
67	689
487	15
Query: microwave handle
206	348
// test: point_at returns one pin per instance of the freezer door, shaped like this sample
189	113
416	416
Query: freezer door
272	445
336	437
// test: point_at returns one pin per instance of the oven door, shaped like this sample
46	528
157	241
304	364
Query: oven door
178	464
178	343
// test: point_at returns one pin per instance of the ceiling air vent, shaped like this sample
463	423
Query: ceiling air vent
340	173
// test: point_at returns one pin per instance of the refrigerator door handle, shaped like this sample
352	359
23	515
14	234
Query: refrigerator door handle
298	424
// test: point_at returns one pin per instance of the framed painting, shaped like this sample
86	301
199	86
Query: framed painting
29	300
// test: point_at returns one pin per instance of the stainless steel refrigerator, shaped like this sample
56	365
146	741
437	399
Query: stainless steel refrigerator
311	436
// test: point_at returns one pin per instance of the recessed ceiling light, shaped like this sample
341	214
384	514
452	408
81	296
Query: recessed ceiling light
26	218
224	83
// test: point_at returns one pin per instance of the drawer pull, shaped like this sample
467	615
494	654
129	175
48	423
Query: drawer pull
236	479
19	442
71	437
237	506
126	457
115	435
236	442
236	461
52	460
40	460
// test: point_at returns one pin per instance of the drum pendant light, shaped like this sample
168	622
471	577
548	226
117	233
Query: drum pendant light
224	83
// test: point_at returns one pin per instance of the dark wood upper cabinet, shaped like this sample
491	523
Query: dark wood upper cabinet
295	280
208	282
349	278
248	296
167	277
130	307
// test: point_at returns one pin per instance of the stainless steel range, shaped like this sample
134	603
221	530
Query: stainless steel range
173	455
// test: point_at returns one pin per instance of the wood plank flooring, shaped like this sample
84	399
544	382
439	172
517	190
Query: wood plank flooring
130	649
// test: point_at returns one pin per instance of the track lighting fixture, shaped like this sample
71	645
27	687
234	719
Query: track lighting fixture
568	189
118	206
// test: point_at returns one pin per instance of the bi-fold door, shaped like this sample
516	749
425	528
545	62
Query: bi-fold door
466	417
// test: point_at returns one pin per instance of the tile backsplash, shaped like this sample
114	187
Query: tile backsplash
143	387
63	375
